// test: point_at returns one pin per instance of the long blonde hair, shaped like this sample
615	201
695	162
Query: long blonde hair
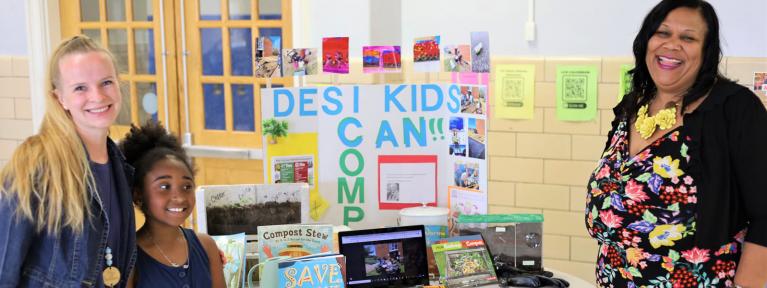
49	174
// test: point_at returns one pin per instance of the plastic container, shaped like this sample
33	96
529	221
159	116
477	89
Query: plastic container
423	215
513	239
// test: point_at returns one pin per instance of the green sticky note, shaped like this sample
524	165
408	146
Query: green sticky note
625	81
515	86
576	93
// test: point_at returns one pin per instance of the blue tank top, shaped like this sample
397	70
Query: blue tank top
152	273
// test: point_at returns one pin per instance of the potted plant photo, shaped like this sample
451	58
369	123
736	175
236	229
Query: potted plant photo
274	129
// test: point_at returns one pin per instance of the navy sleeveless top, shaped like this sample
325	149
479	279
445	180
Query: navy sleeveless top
152	273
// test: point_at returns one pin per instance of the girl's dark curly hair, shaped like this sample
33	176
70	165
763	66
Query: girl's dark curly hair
146	145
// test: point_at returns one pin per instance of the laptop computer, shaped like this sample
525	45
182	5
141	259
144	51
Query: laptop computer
385	257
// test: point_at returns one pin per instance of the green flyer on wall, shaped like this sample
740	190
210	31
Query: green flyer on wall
576	93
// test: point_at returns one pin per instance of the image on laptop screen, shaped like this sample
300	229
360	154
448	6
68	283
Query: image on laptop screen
385	257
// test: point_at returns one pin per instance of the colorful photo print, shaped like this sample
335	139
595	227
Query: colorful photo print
458	137
760	81
466	263
384	259
480	52
477	134
293	169
268	57
456	58
473	99
426	54
466	175
300	62
381	59
335	55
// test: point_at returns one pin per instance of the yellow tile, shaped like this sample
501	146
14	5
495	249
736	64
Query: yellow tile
606	117
501	193
355	75
15	129
587	147
582	270
445	77
14	87
23	108
552	63
608	96
321	78
499	209
6	108
501	143
545	94
587	249
611	68
549	146
578	198
742	69
551	124
6	149
556	247
567	172
5	66
19	66
513	125
564	223
516	169
543	196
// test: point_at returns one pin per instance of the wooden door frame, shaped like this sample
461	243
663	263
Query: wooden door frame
227	138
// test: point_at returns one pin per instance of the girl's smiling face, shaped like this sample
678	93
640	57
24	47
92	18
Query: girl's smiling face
169	192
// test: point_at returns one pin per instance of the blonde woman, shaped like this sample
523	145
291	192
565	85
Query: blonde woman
66	214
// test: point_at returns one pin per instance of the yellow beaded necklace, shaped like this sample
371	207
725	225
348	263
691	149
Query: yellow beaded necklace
664	119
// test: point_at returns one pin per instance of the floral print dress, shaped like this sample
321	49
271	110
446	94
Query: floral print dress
641	210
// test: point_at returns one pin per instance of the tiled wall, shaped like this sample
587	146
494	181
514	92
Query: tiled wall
15	110
542	165
539	165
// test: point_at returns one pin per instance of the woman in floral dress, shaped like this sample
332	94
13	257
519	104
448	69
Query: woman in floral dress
676	199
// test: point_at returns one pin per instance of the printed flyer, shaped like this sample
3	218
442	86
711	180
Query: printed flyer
576	93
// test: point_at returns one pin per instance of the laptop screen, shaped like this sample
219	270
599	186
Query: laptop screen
385	257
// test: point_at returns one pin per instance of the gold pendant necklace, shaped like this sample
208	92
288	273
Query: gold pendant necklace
111	274
664	119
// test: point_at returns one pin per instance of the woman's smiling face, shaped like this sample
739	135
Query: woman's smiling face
674	52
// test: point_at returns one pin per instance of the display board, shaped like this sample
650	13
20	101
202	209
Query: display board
379	148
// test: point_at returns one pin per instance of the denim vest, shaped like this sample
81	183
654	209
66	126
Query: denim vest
38	259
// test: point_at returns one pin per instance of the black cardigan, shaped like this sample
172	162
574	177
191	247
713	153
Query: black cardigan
727	151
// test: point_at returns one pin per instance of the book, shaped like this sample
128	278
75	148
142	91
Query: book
323	270
230	209
294	240
233	247
433	234
464	261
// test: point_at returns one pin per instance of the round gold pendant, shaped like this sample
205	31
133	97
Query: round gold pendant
111	276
